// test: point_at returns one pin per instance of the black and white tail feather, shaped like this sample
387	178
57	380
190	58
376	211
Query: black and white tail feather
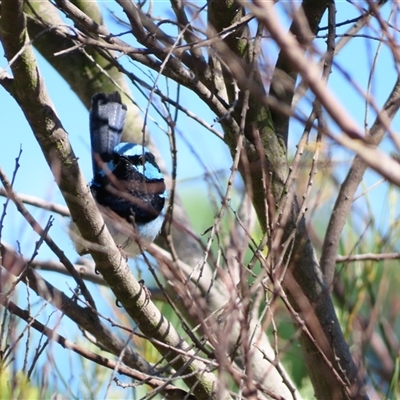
106	123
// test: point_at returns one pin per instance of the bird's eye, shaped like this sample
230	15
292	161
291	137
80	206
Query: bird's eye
141	160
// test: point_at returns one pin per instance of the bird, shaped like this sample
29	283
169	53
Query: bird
128	185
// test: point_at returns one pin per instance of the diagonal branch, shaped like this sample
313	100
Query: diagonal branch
266	14
345	197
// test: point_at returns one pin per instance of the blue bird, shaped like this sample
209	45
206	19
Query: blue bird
127	184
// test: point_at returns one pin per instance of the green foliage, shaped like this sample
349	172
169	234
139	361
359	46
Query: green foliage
18	387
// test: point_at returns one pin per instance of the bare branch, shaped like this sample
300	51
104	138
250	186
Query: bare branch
39	202
351	183
367	257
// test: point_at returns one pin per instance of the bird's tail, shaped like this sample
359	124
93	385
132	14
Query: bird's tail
107	120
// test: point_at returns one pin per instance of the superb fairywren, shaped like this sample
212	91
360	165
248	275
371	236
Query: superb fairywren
127	183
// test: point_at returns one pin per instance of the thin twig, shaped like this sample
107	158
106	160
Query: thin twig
40	203
367	257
